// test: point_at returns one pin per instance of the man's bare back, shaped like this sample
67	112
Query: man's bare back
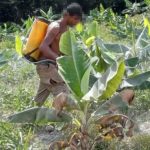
50	45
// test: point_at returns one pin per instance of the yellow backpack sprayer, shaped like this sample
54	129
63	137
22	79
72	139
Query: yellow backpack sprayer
37	33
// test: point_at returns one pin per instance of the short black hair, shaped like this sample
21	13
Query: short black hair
74	9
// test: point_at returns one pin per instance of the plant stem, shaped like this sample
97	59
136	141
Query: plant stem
133	39
84	121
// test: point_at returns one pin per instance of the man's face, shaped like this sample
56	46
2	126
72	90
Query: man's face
73	20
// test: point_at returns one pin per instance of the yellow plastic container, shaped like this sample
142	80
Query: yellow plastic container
36	36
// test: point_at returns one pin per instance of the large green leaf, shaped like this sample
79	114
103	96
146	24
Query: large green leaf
49	115
115	103
100	65
107	53
143	38
147	24
79	27
107	56
144	86
65	43
108	83
93	29
145	53
114	83
136	80
132	62
26	116
75	66
19	45
116	48
143	56
38	115
90	41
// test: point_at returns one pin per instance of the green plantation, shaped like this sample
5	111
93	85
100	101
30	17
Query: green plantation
106	58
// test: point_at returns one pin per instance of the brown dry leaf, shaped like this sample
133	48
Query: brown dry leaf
58	145
74	140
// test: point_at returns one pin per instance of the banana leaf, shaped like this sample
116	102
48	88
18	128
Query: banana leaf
116	48
108	83
144	86
38	115
137	81
132	62
93	29
115	103
107	56
144	54
143	38
75	66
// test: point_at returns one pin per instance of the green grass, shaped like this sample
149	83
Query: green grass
142	101
15	137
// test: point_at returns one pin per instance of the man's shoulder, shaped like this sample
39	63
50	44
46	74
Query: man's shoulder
54	26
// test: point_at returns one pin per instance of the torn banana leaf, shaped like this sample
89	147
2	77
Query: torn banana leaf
39	115
116	103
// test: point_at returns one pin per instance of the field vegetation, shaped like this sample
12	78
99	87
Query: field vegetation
107	54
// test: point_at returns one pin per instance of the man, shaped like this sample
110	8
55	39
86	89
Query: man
50	81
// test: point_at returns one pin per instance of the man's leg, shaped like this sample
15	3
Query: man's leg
50	82
42	94
44	86
58	88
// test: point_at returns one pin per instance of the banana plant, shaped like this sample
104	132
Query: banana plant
27	24
49	14
102	15
76	68
136	8
77	77
139	59
136	57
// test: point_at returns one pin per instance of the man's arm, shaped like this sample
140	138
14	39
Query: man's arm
45	45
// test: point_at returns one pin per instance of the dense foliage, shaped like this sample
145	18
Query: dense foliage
24	8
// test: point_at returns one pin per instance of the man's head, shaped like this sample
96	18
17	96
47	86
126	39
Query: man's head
73	14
